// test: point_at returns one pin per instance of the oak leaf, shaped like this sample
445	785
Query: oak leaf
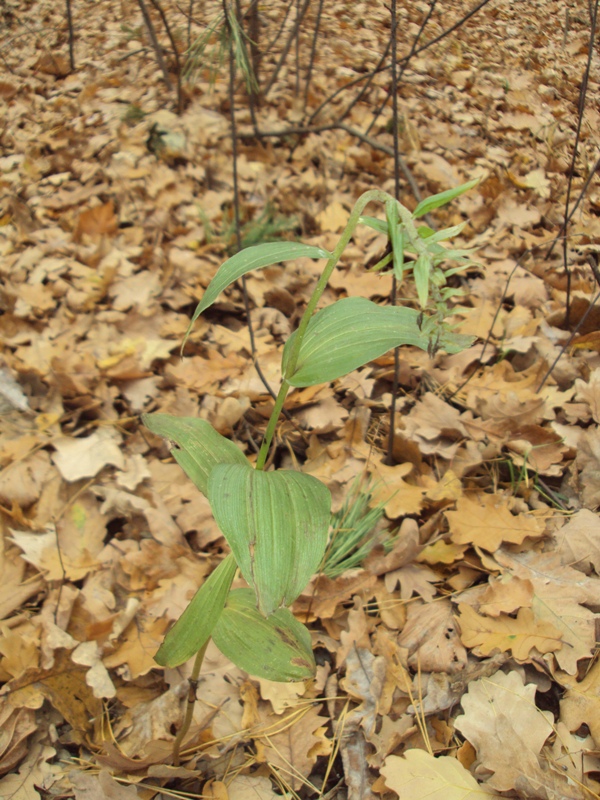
559	594
419	774
432	639
486	521
508	731
581	703
521	635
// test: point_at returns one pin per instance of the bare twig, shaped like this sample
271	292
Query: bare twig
571	213
405	63
165	22
313	50
394	292
582	98
190	14
568	342
286	47
382	68
156	46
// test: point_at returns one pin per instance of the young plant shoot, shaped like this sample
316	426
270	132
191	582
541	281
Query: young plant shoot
276	523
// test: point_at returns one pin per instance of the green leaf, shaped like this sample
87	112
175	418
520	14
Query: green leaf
261	255
447	233
276	524
378	225
396	237
277	649
194	627
421	270
354	331
437	200
199	447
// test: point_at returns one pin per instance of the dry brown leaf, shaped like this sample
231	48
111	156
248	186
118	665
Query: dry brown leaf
432	639
399	498
520	635
413	579
581	702
333	218
71	548
485	520
16	725
502	722
84	458
257	787
559	594
288	742
578	542
101	786
136	653
34	773
16	587
96	221
364	680
505	594
419	774
21	482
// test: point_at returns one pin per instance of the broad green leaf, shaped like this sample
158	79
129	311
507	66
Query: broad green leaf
261	255
437	200
194	627
396	237
277	648
421	270
199	446
354	331
276	524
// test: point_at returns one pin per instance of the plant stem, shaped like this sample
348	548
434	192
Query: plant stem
191	701
359	207
269	433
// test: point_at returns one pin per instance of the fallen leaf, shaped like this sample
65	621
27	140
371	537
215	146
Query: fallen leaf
521	635
431	638
506	728
96	221
581	702
16	725
84	458
559	595
418	775
578	542
486	521
100	786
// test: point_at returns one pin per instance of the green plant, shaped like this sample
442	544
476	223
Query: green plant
212	47
268	226
276	523
133	114
353	533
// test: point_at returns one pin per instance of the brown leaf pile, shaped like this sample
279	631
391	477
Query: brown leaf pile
460	662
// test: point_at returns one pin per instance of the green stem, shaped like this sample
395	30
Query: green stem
272	424
359	207
191	701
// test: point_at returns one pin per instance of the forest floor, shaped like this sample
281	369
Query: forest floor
460	658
